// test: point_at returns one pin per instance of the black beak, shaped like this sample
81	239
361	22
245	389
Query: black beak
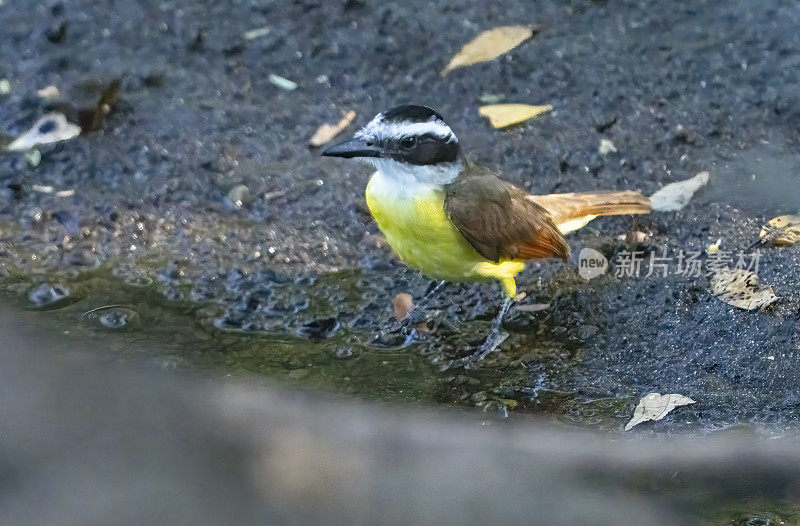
353	148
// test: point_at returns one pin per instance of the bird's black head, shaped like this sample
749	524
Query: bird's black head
415	135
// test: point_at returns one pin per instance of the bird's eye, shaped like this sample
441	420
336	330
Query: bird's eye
408	142
370	142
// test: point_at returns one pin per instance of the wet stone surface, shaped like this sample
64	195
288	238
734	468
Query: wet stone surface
195	202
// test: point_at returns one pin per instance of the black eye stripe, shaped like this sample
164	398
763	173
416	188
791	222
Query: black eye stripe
427	150
429	137
425	138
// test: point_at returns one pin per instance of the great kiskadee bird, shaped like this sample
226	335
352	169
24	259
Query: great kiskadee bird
456	221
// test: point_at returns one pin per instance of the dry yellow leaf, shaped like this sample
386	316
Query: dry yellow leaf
505	115
740	288
655	406
327	132
783	231
488	45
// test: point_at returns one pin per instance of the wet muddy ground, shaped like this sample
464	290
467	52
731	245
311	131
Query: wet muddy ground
294	281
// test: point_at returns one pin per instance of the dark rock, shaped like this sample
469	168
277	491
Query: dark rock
319	329
56	33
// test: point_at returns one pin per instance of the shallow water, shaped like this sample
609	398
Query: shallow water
319	333
124	319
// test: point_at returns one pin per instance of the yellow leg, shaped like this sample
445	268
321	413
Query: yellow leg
504	272
509	287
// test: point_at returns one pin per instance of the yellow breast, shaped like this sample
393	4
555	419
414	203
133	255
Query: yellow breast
417	228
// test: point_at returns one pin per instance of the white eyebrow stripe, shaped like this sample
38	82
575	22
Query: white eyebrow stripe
377	127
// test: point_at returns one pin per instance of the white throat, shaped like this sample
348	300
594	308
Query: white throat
395	181
411	179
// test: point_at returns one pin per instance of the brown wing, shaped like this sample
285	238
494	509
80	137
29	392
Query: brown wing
499	220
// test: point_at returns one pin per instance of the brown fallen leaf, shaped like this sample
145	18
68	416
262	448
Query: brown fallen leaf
402	305
740	288
327	132
489	45
655	406
783	231
92	118
505	115
533	307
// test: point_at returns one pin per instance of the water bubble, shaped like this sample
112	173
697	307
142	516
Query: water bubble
114	316
47	294
757	519
343	352
171	362
114	319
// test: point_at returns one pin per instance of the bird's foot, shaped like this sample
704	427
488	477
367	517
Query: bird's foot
401	333
413	318
493	340
496	335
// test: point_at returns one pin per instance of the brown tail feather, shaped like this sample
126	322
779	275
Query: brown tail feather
566	207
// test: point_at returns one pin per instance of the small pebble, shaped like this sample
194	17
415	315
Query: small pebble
606	147
585	332
256	33
238	197
282	83
50	93
33	157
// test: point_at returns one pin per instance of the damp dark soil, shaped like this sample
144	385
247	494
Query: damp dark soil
192	211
